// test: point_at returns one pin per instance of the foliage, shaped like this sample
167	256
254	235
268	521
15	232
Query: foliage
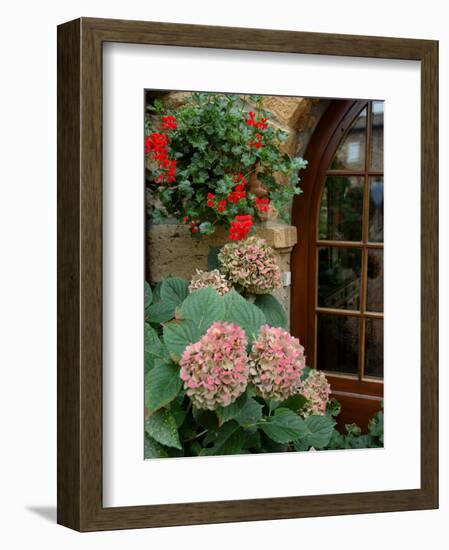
209	355
202	155
353	437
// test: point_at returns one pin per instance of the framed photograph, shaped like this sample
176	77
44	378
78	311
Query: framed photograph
247	274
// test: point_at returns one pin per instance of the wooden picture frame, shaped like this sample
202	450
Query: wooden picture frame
80	503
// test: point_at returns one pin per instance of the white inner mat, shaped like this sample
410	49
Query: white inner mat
128	478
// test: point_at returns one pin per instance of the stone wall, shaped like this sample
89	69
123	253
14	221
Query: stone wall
172	251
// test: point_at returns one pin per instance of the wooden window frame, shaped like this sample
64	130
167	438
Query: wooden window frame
329	134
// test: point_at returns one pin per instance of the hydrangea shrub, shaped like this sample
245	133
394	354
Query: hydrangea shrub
215	369
251	264
276	363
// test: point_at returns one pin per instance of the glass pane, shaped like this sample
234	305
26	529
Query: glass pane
338	343
375	291
350	154
339	277
341	209
374	348
376	210
377	136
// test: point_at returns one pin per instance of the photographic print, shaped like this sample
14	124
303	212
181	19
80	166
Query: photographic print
264	274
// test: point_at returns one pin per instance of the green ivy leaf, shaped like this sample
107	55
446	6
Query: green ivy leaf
178	335
152	449
283	426
203	307
161	426
162	385
272	309
241	312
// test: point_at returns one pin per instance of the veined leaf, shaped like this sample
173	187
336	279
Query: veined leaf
241	312
178	335
272	309
162	385
283	426
174	291
152	449
203	307
161	426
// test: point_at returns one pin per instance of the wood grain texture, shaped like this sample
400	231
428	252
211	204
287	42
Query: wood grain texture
80	274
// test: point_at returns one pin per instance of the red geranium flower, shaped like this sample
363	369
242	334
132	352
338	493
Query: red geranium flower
169	122
240	227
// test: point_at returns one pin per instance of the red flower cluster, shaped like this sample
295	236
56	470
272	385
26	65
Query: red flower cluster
169	122
193	225
257	143
252	121
262	204
156	144
239	190
240	227
221	205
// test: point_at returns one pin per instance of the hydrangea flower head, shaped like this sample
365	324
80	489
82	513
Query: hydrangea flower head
316	389
215	369
213	279
252	264
276	363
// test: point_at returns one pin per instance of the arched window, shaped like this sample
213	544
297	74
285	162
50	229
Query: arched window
337	291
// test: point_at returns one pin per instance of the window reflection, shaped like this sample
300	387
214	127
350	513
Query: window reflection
338	344
376	210
374	348
350	154
375	290
341	209
339	278
377	136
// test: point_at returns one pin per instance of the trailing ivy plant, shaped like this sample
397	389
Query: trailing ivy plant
202	155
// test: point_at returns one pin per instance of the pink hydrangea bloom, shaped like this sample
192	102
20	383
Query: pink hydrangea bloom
317	390
252	264
276	363
215	369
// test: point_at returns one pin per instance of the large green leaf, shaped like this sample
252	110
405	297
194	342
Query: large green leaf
295	402
317	433
241	312
161	426
174	290
153	347
178	335
283	426
250	413
203	306
160	312
273	310
162	385
231	411
230	440
148	295
153	449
